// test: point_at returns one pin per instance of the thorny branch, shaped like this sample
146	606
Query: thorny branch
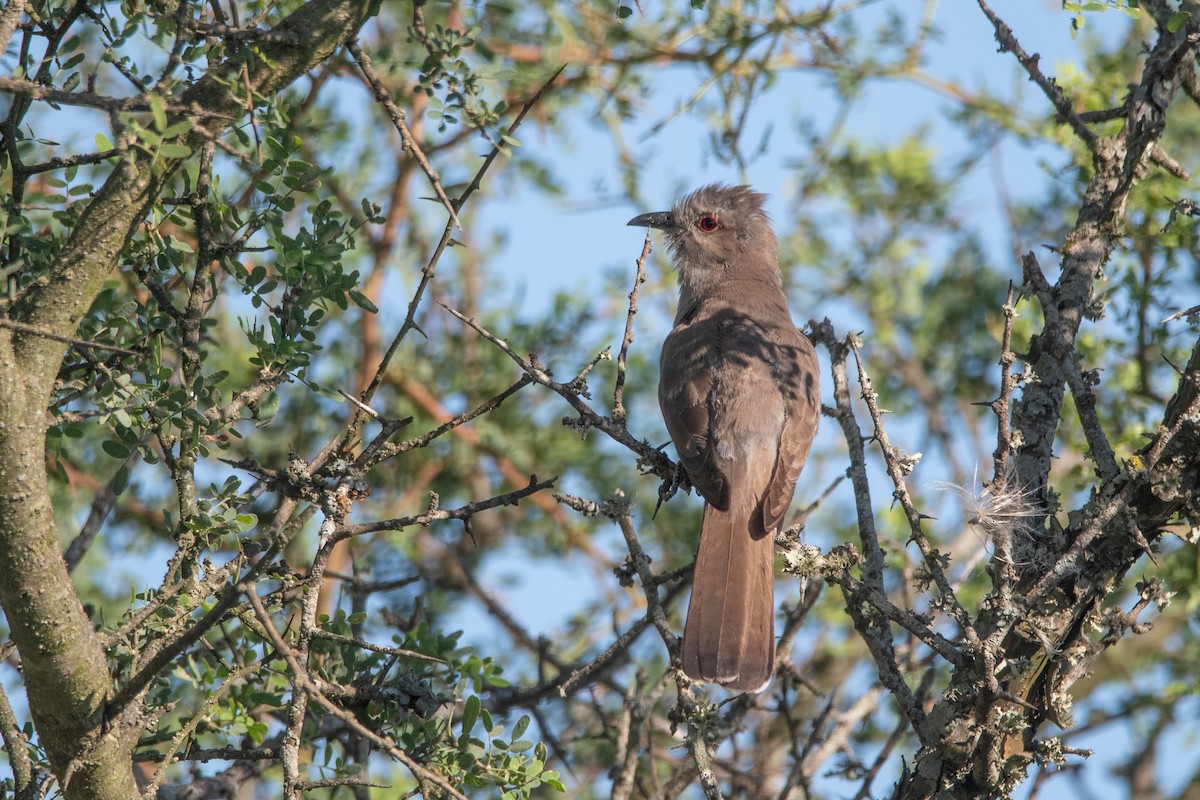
397	115
874	628
1054	93
1002	405
438	515
626	340
427	273
574	392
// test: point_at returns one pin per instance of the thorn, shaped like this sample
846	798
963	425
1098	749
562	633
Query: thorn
1142	543
361	405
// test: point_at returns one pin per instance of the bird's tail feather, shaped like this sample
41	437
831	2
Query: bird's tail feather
729	636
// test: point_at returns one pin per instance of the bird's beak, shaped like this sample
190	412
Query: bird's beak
663	220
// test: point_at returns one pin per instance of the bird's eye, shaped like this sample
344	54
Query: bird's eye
707	223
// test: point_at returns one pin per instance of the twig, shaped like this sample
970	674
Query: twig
1003	574
628	743
361	406
1093	429
1054	93
702	755
583	675
36	91
397	115
64	162
659	463
487	161
357	586
327	783
824	333
882	758
438	515
1002	405
385	452
201	754
866	705
198	716
641	564
320	633
33	330
874	629
410	318
1184	313
896	472
102	506
639	279
902	617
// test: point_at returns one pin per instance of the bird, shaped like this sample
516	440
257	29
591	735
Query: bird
739	390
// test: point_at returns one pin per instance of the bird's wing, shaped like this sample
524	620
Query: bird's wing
685	396
799	381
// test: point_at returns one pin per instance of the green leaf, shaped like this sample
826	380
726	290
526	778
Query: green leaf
172	150
470	713
120	479
159	113
521	726
624	12
363	302
1178	20
102	142
177	129
115	449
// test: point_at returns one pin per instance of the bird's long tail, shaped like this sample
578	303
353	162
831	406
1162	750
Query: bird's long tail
730	632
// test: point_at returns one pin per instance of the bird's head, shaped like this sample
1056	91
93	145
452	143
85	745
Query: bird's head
715	229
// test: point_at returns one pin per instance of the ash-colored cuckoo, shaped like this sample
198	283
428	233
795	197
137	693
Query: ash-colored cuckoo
738	388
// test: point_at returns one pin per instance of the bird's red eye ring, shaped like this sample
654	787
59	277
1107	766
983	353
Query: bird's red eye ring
707	223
